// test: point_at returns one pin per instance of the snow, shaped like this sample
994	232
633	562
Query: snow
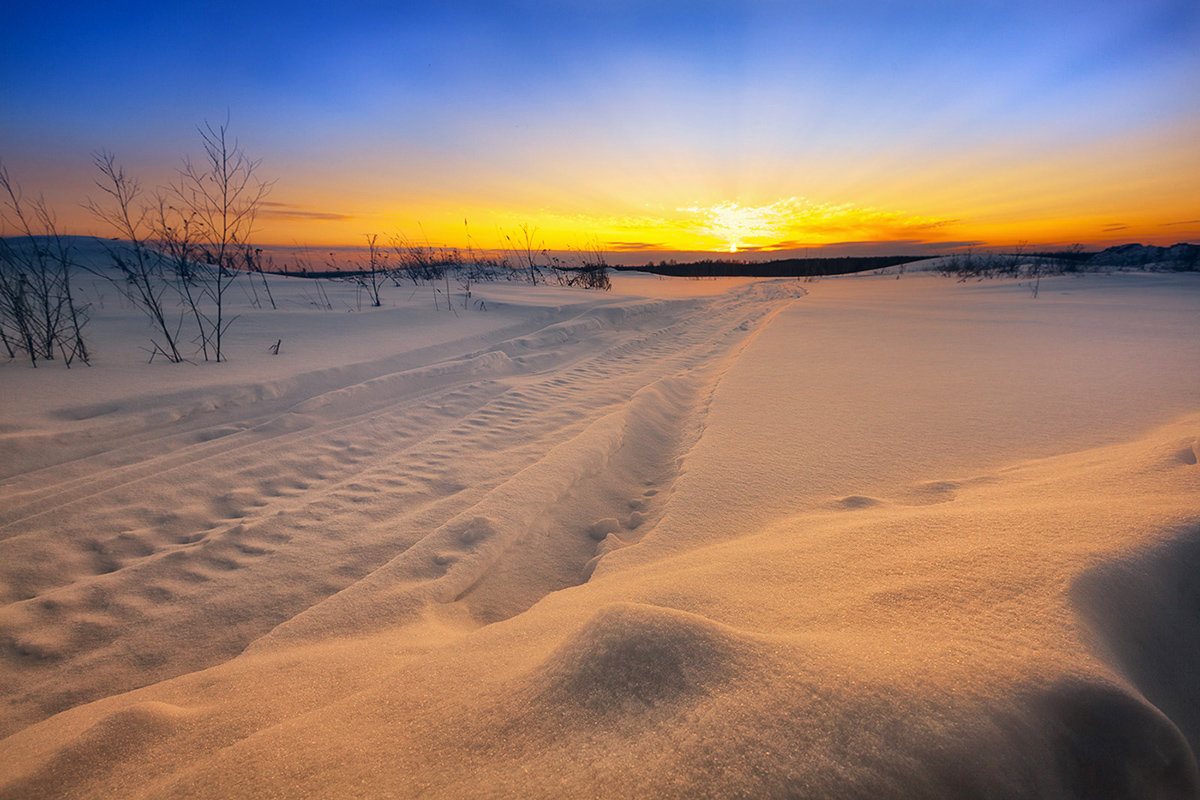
857	537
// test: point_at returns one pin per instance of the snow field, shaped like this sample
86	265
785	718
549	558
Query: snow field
860	537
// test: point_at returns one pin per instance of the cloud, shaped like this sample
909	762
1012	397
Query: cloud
288	211
1117	226
635	245
797	248
873	242
794	244
1184	222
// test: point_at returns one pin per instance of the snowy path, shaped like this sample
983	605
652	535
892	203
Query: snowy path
198	531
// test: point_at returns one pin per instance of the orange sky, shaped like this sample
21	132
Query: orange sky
1134	188
1135	185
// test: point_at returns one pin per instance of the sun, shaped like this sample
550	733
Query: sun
737	224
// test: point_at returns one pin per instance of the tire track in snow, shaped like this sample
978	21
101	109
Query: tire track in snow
143	572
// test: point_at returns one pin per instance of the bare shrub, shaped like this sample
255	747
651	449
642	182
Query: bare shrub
222	194
39	315
373	277
185	249
527	250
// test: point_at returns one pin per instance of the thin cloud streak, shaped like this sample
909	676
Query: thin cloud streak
287	211
634	246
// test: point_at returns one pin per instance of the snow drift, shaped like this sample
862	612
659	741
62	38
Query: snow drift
855	538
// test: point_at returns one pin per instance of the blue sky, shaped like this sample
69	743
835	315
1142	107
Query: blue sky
623	113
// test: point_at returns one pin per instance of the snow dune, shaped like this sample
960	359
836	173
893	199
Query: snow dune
861	537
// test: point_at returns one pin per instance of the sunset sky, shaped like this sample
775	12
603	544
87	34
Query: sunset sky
665	126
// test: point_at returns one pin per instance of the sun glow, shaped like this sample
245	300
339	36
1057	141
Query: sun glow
1095	196
737	224
796	222
727	226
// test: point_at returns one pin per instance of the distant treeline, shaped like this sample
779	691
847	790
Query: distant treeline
304	272
1182	257
1077	255
780	268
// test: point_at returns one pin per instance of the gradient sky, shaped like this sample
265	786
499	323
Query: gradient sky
857	126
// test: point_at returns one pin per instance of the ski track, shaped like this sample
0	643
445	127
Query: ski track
448	482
